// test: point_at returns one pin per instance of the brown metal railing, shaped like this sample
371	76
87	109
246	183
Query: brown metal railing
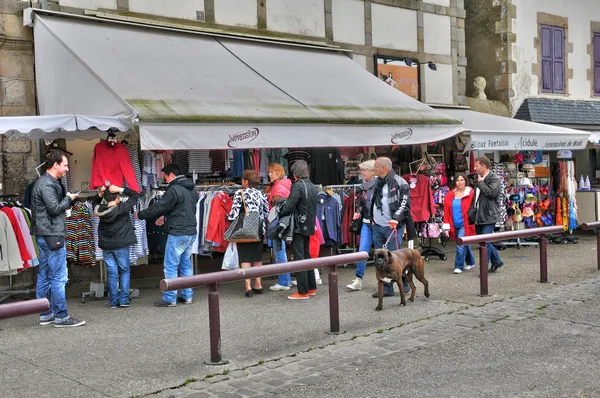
586	226
494	237
21	308
213	279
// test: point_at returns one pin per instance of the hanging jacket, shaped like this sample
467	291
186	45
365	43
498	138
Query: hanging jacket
10	257
465	203
113	164
116	228
178	205
422	206
328	214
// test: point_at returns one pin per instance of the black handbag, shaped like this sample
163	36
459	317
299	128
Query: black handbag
55	242
247	227
356	226
472	212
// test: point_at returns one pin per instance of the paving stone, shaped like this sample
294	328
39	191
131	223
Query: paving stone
236	374
198	394
309	380
287	360
229	395
244	392
217	378
274	364
240	383
198	385
256	369
220	388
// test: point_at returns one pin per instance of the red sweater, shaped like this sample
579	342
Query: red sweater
17	229
422	206
465	203
114	164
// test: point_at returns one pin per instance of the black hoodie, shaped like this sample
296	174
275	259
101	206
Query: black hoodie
116	229
178	205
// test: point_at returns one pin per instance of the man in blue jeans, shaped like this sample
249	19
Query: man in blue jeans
390	211
115	235
48	211
177	210
485	206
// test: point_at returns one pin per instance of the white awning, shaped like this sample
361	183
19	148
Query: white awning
493	133
194	91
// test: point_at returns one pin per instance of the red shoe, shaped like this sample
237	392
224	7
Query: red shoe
312	292
298	296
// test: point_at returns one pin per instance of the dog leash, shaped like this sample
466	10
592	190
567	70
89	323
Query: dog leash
394	232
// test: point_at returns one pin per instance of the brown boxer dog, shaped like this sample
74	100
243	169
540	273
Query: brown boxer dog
390	266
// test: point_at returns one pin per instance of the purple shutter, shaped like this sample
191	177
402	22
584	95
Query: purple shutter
547	78
558	60
597	63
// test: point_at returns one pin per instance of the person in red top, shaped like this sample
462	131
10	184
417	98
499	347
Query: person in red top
278	189
456	205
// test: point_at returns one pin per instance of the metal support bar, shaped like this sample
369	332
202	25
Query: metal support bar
543	259
214	321
334	303
483	270
21	308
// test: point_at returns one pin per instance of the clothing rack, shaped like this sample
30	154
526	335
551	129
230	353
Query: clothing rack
429	250
6	294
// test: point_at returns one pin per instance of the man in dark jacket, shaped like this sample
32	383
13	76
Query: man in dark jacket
485	206
390	211
177	210
303	201
115	235
48	211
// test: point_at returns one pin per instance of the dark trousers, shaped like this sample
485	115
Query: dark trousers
301	250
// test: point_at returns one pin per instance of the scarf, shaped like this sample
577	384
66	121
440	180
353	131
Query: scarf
367	187
379	184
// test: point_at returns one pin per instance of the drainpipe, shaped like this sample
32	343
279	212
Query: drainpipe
44	4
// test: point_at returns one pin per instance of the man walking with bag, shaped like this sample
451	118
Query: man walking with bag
484	211
48	213
177	210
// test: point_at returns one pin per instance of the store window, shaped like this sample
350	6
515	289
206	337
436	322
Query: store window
400	73
596	55
553	59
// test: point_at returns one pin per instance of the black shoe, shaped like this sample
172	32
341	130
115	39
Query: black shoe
125	305
249	293
163	303
69	323
181	300
495	267
257	291
385	294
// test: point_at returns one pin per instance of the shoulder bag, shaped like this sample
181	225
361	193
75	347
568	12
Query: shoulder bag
247	227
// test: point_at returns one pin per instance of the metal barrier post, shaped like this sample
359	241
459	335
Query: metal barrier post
543	259
334	303
214	321
483	270
598	249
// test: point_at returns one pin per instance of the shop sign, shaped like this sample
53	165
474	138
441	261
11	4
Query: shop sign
524	143
400	136
243	138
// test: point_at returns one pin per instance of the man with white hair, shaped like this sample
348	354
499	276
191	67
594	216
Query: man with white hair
390	211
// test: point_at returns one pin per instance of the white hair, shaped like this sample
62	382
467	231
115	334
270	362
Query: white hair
367	165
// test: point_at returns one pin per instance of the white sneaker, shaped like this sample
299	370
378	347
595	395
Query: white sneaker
294	283
469	267
277	286
355	285
319	282
457	271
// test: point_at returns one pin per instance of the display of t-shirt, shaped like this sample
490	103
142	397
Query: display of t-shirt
327	166
112	163
422	205
296	154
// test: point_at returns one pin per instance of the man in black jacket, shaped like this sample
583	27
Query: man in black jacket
390	211
177	210
485	206
48	212
115	235
303	201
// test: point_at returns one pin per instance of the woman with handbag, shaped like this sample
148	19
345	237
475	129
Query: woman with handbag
456	220
246	201
362	219
279	188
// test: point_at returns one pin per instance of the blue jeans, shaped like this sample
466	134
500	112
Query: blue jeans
380	236
178	262
51	280
463	252
281	257
366	241
118	275
492	253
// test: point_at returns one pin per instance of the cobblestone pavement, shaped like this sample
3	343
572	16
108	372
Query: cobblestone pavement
314	366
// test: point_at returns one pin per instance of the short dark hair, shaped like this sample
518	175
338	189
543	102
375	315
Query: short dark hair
53	156
252	177
300	169
109	196
171	168
484	160
464	176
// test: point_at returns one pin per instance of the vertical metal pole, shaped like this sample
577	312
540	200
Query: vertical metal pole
483	270
214	321
598	248
543	259
334	305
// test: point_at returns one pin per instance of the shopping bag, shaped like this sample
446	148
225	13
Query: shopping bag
230	259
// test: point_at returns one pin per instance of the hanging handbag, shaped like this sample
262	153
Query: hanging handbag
247	227
356	226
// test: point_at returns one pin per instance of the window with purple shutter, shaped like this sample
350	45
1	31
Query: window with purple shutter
597	63
553	59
